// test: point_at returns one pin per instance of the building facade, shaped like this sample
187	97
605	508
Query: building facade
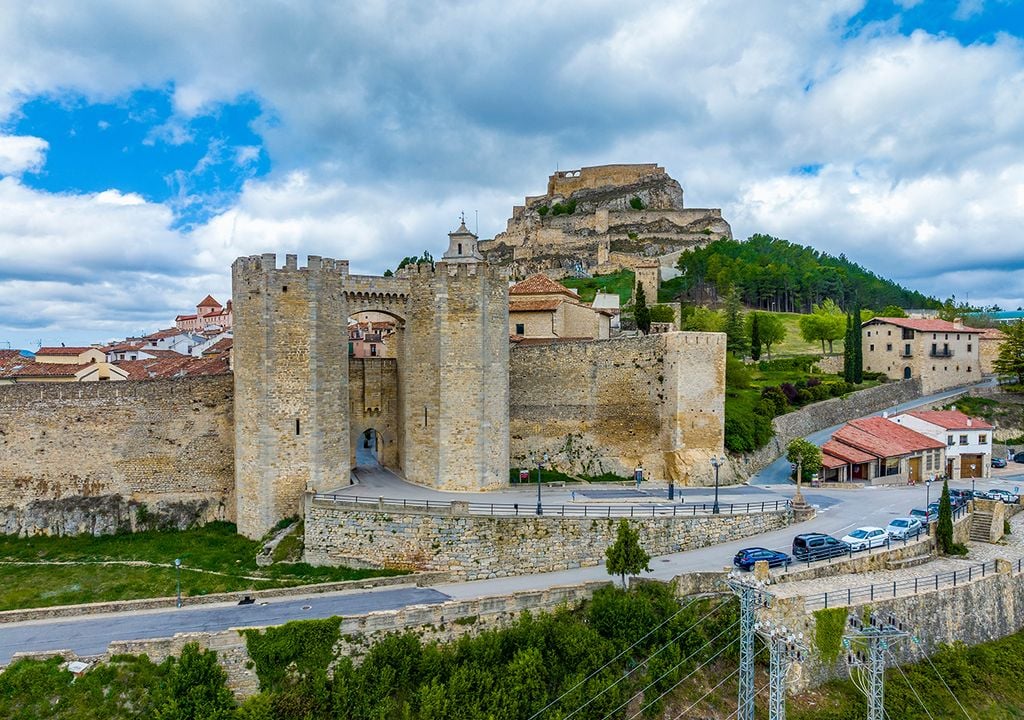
942	354
968	441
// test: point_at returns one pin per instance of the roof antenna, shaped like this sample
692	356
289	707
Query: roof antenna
477	231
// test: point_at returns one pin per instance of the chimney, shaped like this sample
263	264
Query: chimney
958	323
968	422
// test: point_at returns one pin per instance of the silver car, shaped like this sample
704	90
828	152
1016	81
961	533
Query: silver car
903	528
866	537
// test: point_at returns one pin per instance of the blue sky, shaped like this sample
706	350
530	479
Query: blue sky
142	150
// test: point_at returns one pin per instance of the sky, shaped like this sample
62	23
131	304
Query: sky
145	146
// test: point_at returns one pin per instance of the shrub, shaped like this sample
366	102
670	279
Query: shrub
819	392
543	210
797	363
567	208
813	382
636	203
737	375
776	397
790	391
745	429
663	313
803	397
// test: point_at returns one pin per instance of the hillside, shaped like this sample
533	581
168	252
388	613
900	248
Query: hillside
775	274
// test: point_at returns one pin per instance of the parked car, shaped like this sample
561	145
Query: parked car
746	558
923	515
866	537
998	462
1005	495
959	496
1019	457
817	546
904	528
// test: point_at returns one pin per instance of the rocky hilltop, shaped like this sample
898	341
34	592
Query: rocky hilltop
600	219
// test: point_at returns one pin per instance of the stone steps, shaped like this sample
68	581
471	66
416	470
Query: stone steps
981	526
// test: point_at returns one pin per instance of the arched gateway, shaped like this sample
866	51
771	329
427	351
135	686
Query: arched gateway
440	403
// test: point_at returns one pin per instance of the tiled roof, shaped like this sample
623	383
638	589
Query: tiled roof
185	317
951	419
123	347
993	334
831	462
63	351
222	345
923	325
883	438
539	305
29	369
540	284
171	367
169	332
846	453
208	301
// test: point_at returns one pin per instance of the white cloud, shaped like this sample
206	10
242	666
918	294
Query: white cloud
21	153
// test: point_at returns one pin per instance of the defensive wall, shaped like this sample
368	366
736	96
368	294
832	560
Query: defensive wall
472	546
442	622
604	406
84	457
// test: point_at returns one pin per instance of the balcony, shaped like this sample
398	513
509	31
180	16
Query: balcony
941	354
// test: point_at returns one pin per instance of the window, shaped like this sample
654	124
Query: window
935	349
947	336
373	350
460	248
908	334
983	439
958	336
869	333
968	368
520	328
928	461
889	332
284	288
968	347
296	426
888	346
871	348
949	440
906	349
963	439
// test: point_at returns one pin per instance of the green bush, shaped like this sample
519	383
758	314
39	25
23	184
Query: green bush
302	646
776	398
797	363
567	208
636	203
745	428
804	397
663	313
829	626
737	376
543	210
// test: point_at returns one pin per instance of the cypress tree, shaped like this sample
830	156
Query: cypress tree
641	313
849	353
944	529
858	342
755	337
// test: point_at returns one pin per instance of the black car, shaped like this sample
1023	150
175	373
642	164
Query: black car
746	558
1019	457
998	462
817	546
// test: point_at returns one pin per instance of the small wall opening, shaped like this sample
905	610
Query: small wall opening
368	448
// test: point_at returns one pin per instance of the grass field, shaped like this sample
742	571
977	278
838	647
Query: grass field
620	282
65	570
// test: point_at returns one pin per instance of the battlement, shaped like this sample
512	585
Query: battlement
267	262
566	182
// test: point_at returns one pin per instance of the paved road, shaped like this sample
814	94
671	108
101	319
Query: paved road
90	635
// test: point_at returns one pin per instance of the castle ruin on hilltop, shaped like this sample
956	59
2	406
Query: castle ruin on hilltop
600	219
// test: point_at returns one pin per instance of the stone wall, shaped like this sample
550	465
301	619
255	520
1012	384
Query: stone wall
604	406
825	414
479	546
80	457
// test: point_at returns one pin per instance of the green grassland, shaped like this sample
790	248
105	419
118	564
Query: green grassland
620	283
44	571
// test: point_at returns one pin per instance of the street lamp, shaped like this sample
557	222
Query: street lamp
928	492
973	478
716	462
177	568
540	463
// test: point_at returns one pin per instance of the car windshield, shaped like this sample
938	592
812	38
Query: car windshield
859	534
899	523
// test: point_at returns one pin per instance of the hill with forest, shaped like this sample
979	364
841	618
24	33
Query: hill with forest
769	273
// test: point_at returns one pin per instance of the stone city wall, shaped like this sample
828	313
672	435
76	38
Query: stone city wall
473	547
604	406
825	414
83	457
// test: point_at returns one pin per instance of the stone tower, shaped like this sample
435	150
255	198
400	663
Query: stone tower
291	385
292	397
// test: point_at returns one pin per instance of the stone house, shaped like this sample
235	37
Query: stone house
70	355
942	354
989	343
541	308
968	440
877	451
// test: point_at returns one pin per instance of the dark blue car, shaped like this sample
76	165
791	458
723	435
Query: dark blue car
746	558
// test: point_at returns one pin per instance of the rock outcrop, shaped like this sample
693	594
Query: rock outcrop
600	219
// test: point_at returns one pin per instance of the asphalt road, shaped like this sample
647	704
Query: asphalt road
90	635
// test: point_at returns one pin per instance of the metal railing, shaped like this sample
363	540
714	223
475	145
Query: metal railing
528	509
897	588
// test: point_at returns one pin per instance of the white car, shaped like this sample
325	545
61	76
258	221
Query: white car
903	528
866	537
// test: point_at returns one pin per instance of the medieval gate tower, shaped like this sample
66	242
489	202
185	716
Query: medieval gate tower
298	417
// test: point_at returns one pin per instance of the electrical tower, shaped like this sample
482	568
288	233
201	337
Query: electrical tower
752	595
785	648
866	644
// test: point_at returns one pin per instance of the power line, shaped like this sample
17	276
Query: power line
591	675
917	644
685	713
910	685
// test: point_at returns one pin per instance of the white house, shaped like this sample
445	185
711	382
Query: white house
968	440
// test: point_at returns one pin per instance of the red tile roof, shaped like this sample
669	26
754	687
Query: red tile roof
831	462
63	351
30	369
540	284
539	305
171	367
186	317
993	334
884	438
923	325
950	419
222	345
169	332
208	301
846	453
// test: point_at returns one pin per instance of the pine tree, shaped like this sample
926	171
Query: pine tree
625	556
857	337
755	337
641	313
849	353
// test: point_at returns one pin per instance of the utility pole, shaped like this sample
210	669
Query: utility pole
785	648
752	595
866	644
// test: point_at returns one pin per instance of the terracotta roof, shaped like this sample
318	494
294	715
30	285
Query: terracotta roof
171	367
831	462
222	345
846	453
63	351
540	284
29	369
923	325
539	305
950	419
169	332
185	317
883	438
208	301
123	347
993	334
